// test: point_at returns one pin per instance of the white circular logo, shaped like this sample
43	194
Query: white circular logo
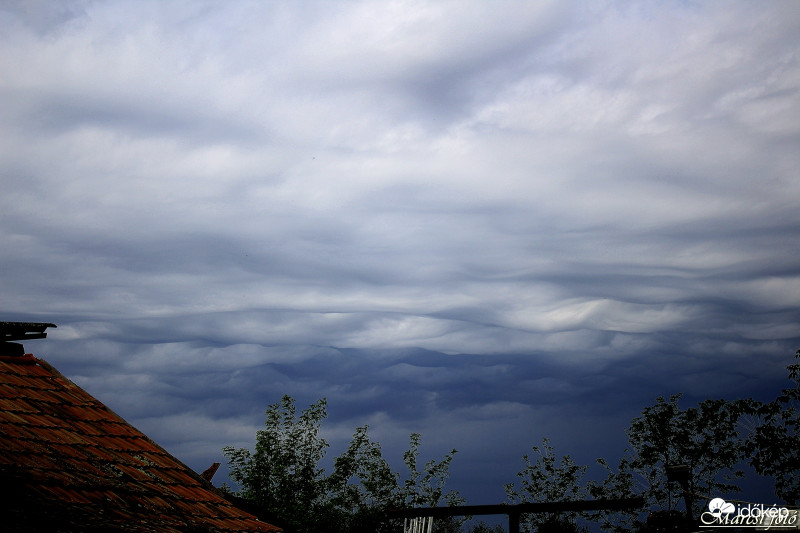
718	506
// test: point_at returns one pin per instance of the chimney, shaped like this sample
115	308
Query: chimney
19	331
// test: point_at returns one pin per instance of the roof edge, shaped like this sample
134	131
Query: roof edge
50	368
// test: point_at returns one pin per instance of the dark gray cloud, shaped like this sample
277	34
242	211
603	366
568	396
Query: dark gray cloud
42	17
489	223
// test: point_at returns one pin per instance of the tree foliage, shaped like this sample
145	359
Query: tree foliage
425	488
547	479
483	527
362	485
773	447
282	474
703	438
283	477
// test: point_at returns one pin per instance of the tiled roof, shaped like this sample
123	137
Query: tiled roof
68	463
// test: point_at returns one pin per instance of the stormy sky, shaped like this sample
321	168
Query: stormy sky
487	222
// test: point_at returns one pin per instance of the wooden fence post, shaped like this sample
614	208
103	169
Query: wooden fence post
513	522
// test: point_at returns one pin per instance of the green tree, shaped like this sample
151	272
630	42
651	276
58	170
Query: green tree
547	479
618	484
425	488
363	485
282	476
704	438
773	447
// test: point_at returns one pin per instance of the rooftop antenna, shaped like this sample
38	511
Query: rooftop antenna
20	331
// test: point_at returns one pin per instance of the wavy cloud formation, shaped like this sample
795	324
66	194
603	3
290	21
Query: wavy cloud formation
486	222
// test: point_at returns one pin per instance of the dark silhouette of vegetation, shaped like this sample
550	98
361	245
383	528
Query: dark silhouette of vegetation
282	475
483	527
283	478
708	439
547	480
703	438
773	447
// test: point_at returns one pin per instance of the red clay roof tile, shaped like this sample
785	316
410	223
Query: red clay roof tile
70	464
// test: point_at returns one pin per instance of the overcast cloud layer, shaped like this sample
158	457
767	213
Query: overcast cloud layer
489	222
